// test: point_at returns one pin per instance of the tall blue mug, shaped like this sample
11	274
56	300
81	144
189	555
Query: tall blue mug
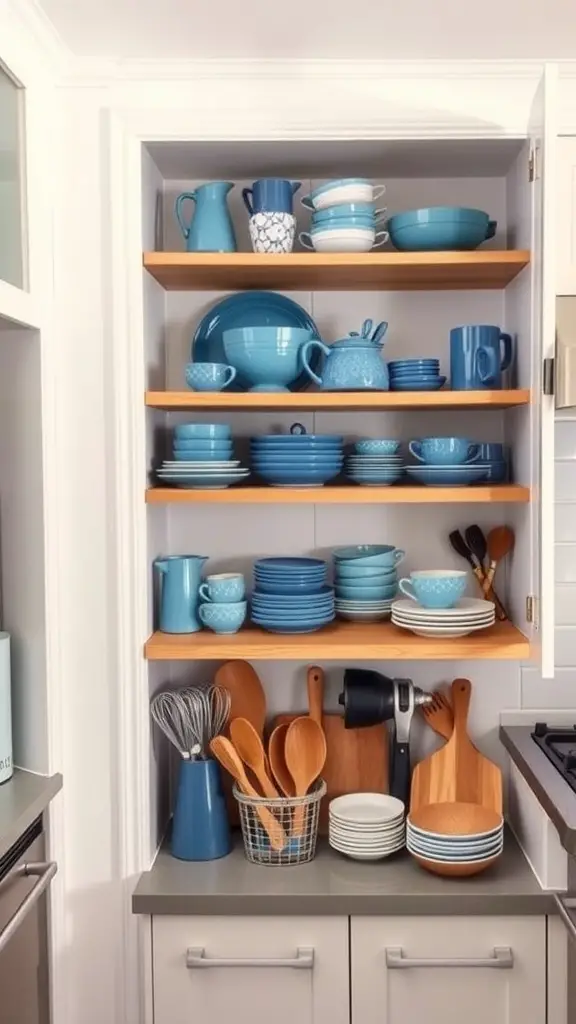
270	195
200	829
479	353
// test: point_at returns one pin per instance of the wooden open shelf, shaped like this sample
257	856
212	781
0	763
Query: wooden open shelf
391	271
339	495
380	641
343	401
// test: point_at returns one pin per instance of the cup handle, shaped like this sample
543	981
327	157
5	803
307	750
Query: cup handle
475	450
307	203
383	239
247	196
506	340
303	236
415	447
404	585
379	215
295	186
486	365
202	614
231	370
308	348
399	554
378	191
204	592
184	228
491	229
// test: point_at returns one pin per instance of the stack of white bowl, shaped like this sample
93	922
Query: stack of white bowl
344	216
366	826
462	848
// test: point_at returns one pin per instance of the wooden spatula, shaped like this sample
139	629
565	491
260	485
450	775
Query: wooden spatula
226	754
439	715
500	543
249	746
246	693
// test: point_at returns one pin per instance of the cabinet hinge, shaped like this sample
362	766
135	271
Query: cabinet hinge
548	377
531	168
531	609
534	163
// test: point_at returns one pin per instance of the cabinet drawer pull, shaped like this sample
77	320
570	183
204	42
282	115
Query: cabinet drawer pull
304	960
44	871
564	907
502	958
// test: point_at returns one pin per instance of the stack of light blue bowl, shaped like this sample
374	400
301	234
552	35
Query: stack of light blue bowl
296	459
415	375
203	457
291	595
366	581
375	463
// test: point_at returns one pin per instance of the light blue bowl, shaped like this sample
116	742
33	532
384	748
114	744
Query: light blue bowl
366	593
268	357
435	588
337	223
366	210
377	446
358	582
191	456
370	554
202	444
444	451
440	228
353	572
203	431
223	618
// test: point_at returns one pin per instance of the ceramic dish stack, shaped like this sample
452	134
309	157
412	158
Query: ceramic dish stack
202	458
344	216
468	615
296	459
415	375
366	826
457	852
366	581
291	595
375	463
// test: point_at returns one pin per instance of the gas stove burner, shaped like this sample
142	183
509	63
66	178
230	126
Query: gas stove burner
559	745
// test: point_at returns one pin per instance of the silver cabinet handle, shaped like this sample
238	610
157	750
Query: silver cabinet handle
45	872
564	906
304	960
502	958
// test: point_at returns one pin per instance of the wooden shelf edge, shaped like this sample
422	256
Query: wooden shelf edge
353	401
358	641
340	495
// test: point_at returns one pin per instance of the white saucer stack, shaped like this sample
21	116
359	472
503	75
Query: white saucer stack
366	826
467	616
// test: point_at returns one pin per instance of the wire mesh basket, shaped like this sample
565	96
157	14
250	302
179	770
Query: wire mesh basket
282	831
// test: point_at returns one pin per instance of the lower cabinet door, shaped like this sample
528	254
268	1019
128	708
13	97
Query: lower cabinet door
251	970
448	970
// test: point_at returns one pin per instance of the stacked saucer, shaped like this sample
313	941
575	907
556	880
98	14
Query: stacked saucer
203	457
472	838
375	464
291	596
415	375
366	826
468	615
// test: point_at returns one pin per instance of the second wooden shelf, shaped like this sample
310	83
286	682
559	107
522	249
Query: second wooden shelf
339	495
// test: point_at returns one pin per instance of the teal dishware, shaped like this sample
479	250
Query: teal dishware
367	211
377	446
200	827
181	576
209	376
352	364
361	573
444	451
366	593
186	432
270	195
210	227
435	588
369	554
268	357
479	355
440	228
223	588
203	444
223	618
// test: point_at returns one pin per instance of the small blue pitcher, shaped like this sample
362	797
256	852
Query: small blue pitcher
181	579
210	227
479	353
200	829
270	195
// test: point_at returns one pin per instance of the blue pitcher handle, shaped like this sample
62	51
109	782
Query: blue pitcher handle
506	340
491	229
414	448
307	348
295	186
487	366
247	196
185	228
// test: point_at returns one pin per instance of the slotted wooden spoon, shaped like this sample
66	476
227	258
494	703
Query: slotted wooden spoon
249	746
500	543
226	754
305	753
439	715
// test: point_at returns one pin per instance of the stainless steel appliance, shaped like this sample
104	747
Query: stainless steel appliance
24	878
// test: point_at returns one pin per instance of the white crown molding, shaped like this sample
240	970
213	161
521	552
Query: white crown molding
30	18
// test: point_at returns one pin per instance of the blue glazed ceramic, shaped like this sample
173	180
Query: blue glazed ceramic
444	451
349	366
319	223
367	211
201	455
438	228
496	472
412	364
198	481
185	432
223	588
375	480
491	451
427	384
268	357
452	476
203	444
298	478
352	572
418	371
435	588
181	578
249	309
342	190
479	354
270	195
370	554
223	618
209	376
377	446
285	563
366	593
200	828
210	227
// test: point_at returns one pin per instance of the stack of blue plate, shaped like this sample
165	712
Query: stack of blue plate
202	458
296	459
291	596
447	476
415	375
366	581
373	468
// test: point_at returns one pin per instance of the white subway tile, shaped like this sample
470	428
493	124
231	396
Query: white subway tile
565	523
565	563
565	604
565	646
565	439
552	694
565	485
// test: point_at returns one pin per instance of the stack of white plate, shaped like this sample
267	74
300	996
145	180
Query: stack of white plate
467	616
366	826
457	853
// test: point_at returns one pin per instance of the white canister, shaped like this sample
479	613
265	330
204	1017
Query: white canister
6	767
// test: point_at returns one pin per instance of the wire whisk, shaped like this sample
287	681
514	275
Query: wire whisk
191	717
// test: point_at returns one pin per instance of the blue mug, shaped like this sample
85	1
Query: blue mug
491	451
270	195
479	353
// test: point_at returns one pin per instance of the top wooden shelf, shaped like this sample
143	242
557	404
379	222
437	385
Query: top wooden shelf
310	271
340	401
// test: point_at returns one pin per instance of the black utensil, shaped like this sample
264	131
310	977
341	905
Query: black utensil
461	548
367	698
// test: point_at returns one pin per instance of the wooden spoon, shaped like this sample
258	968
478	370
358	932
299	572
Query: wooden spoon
277	758
477	565
500	543
226	754
305	753
246	693
249	746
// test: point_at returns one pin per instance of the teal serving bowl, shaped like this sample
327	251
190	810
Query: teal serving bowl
440	228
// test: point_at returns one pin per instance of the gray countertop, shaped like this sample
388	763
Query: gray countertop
555	795
22	799
332	884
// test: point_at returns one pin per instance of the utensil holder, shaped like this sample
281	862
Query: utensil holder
200	828
299	849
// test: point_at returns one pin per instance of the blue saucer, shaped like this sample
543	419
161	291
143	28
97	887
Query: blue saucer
455	476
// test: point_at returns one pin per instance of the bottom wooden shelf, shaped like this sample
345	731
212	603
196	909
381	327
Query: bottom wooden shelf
358	641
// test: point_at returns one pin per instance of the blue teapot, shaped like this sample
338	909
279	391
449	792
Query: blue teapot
353	364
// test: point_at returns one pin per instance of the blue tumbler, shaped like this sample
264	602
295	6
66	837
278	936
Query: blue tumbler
200	829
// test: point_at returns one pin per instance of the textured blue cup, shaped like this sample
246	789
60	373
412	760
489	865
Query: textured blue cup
200	829
209	376
444	451
435	588
223	588
377	446
223	618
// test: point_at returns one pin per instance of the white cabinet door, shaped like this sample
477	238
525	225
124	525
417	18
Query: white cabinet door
566	216
445	970
251	970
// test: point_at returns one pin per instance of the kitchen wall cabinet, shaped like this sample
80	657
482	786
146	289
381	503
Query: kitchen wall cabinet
566	216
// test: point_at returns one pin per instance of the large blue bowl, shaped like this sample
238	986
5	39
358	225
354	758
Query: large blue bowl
269	357
440	228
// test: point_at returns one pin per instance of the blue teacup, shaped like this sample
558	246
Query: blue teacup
444	451
223	588
377	446
435	588
223	618
209	376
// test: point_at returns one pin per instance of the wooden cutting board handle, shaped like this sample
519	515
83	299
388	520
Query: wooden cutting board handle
461	693
315	683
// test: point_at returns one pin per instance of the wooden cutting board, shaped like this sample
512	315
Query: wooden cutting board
356	759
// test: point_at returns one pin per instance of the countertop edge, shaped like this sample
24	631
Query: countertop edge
48	787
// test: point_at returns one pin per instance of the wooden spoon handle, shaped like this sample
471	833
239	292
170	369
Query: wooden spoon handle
266	784
315	683
489	593
461	693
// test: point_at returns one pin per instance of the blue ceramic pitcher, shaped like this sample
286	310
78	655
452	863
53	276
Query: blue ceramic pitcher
210	227
270	195
181	579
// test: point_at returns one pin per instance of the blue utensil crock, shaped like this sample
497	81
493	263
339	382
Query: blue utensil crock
181	578
270	195
479	353
210	228
200	829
